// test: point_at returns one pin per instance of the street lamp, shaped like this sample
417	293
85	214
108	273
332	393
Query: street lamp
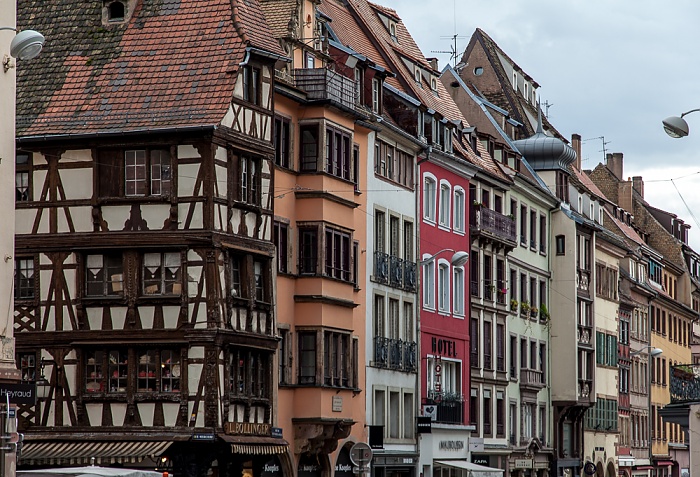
459	258
676	126
26	45
653	352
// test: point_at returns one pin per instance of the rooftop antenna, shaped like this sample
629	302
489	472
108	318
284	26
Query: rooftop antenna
547	105
605	143
453	48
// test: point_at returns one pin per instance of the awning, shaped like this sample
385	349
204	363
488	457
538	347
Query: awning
664	462
256	445
82	452
476	469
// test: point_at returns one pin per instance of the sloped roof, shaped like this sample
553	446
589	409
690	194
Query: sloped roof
582	179
173	64
505	97
278	14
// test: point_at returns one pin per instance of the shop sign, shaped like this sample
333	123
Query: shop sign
423	425
343	466
442	347
271	468
247	428
20	393
451	445
481	460
523	464
309	466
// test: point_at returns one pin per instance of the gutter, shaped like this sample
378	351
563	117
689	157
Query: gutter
264	53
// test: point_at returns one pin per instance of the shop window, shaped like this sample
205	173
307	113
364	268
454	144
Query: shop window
104	275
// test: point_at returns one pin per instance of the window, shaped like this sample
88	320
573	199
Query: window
249	373
487	346
247	276
162	274
543	234
308	251
338	153
110	371
376	95
417	76
281	240
523	225
500	347
408	241
474	340
458	294
252	85
356	166
338	359
429	192
104	275
249	180
459	210
560	241
394	164
285	356
24	278
337	254
533	229
429	285
443	287
115	12
27	367
445	205
500	414
282	142
309	147
487	413
22	177
146	173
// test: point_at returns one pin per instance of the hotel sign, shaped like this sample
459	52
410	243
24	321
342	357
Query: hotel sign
247	428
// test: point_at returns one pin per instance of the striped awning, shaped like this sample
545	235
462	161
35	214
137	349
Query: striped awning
82	452
256	445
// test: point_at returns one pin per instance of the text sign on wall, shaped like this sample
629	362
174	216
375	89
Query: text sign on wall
21	393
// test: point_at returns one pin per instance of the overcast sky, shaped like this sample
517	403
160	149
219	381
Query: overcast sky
608	68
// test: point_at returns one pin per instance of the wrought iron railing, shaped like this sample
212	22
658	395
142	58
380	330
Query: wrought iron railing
450	407
410	282
381	267
685	383
487	220
395	272
395	354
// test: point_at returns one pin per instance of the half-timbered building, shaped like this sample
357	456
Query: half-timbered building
144	275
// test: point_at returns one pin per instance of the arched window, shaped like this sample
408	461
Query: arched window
116	12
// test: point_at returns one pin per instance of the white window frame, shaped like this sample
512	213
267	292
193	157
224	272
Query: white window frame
375	95
450	375
428	284
417	76
429	198
459	210
515	80
458	291
443	286
445	204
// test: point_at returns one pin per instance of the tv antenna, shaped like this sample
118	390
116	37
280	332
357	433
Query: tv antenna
547	105
453	48
605	143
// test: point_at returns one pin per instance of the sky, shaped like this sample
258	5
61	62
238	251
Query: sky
611	69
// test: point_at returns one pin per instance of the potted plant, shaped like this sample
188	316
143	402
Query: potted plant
524	307
544	312
514	305
533	311
477	204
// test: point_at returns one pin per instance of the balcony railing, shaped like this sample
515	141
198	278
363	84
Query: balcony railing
395	354
498	225
582	279
685	383
584	335
585	386
532	379
324	84
395	271
450	407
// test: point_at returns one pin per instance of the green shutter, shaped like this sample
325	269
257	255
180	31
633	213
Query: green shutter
600	347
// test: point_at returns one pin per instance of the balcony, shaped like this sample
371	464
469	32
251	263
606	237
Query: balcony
450	407
531	379
394	354
394	271
492	226
585	386
685	383
321	84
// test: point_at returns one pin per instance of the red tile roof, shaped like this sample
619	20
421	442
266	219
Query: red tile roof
168	67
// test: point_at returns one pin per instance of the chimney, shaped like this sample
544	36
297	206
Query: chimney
614	161
638	185
576	144
433	63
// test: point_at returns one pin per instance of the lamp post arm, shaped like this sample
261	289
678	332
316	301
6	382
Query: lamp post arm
691	111
426	260
8	28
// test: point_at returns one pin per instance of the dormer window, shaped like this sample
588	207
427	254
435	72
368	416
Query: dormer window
433	83
417	76
392	30
515	81
116	12
526	91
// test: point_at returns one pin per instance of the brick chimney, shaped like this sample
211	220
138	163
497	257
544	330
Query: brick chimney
433	63
614	161
576	145
638	185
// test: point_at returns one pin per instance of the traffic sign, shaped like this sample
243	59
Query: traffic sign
361	454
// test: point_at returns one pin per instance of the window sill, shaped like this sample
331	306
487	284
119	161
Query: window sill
429	221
